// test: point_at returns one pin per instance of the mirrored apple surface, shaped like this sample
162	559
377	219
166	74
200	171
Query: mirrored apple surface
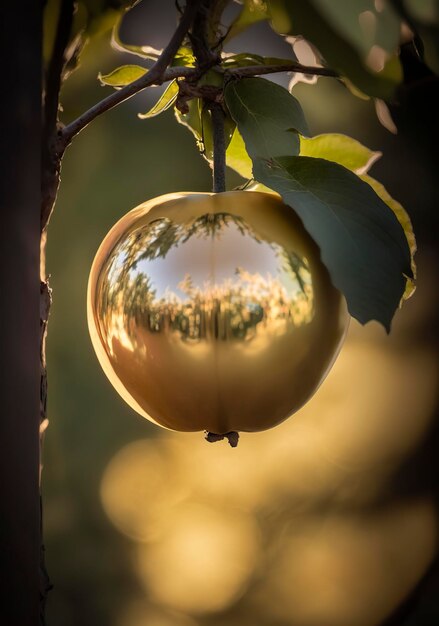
214	311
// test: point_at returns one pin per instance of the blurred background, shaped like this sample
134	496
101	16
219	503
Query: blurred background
330	519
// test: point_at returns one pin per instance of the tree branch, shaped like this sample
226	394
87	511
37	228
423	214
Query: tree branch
297	68
155	78
214	94
200	37
157	75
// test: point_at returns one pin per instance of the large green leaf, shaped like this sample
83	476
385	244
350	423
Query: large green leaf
354	156
340	148
320	22
267	115
123	75
362	243
164	103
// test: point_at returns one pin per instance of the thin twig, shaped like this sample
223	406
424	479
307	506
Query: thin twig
219	148
202	40
157	75
297	68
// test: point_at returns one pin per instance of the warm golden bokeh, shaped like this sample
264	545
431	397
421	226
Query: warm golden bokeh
142	613
203	560
296	520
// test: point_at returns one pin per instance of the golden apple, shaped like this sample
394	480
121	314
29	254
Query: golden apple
214	311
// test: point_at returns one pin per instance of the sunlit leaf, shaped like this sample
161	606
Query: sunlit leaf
165	101
146	52
267	115
123	75
192	120
356	157
340	148
103	14
184	57
255	186
361	241
404	219
253	11
237	157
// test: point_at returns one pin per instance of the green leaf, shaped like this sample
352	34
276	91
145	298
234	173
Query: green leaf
267	115
237	157
357	158
103	14
146	52
361	241
192	120
199	121
123	75
166	100
91	18
320	22
184	57
253	11
341	149
404	219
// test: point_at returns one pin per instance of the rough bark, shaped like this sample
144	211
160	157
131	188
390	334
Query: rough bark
20	147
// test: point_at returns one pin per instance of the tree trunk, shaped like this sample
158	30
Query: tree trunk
20	150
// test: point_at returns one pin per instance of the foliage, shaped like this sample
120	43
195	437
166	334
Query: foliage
365	236
90	18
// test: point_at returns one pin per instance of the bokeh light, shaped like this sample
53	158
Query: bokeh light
143	613
203	561
140	487
341	570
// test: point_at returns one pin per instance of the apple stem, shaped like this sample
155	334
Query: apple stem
219	148
232	437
